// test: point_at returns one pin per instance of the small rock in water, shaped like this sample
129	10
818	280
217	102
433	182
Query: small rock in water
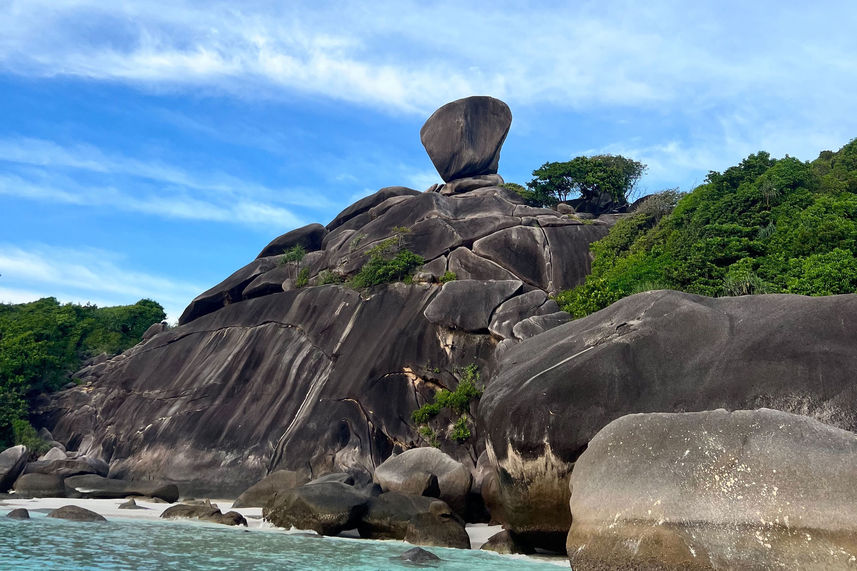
419	556
76	513
19	513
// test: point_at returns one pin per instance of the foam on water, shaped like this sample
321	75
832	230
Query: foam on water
45	543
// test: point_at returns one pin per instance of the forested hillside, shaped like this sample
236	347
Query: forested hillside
42	342
764	226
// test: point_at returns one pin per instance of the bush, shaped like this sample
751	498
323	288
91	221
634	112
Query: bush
386	265
457	402
764	226
447	277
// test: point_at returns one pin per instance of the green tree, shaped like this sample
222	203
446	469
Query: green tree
587	176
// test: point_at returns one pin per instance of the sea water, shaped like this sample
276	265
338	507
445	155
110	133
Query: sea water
47	543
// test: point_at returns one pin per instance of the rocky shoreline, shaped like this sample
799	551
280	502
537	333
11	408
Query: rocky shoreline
404	370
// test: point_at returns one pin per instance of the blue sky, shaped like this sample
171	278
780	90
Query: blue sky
149	150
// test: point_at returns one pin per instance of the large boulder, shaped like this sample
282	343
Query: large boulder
658	351
715	490
440	527
205	512
308	237
94	486
12	462
67	467
39	486
469	304
453	478
388	514
463	138
257	495
76	513
327	508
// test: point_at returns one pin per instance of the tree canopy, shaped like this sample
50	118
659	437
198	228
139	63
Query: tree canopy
42	342
764	226
589	177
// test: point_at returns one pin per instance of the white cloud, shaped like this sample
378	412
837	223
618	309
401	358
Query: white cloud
85	276
411	56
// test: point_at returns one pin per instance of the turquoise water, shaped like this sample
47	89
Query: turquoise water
46	543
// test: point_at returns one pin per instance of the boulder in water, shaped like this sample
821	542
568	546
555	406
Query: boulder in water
76	513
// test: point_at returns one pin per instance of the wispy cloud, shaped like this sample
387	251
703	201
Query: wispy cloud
411	56
84	175
87	275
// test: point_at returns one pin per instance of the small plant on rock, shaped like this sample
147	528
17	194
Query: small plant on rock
447	277
455	403
386	264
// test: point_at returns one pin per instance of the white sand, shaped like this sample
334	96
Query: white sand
478	532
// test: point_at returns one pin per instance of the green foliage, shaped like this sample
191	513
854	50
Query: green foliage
457	402
430	435
531	197
294	254
447	277
329	277
764	226
588	176
386	264
24	433
303	278
43	341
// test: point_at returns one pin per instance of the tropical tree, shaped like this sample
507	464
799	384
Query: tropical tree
589	177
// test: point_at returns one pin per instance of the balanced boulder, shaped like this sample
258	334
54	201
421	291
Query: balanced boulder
715	490
453	478
463	138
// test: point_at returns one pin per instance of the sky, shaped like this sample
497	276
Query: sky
150	149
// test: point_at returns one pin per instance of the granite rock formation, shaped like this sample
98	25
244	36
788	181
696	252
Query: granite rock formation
659	351
715	490
463	138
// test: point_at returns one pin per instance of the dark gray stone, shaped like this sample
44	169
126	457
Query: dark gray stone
228	291
130	505
309	237
204	512
463	138
18	513
512	311
93	486
76	513
387	515
441	527
66	467
328	508
468	266
723	490
257	495
536	324
339	477
365	204
12	462
418	556
469	304
461	185
657	351
154	329
505	544
453	478
40	486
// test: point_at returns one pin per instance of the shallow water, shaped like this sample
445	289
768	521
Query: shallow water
46	543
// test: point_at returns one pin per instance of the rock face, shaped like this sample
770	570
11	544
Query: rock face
715	490
12	462
463	138
320	378
659	351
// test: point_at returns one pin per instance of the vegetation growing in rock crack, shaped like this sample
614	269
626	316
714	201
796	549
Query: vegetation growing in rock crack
764	226
455	404
42	342
387	263
447	277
